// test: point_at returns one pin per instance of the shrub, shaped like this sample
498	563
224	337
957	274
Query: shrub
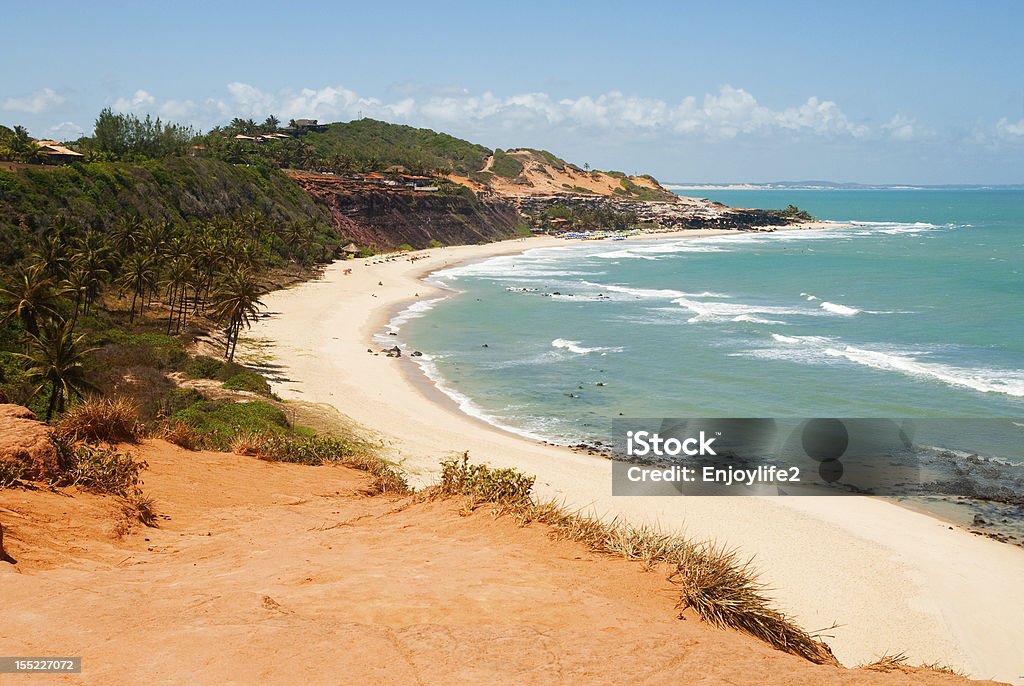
220	422
203	367
10	474
182	435
484	484
178	399
248	381
318	450
103	470
115	420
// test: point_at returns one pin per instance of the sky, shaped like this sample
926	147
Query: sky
899	91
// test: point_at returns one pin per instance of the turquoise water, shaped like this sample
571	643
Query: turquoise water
914	311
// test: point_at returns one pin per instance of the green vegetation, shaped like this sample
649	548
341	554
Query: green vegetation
116	198
219	423
104	470
319	450
16	145
795	213
125	136
371	145
583	218
478	482
505	165
628	188
248	381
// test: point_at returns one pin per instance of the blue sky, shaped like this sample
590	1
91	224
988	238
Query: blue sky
876	92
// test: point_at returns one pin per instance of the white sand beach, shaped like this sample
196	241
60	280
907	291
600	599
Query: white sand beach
893	580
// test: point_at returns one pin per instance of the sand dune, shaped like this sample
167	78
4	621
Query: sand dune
283	574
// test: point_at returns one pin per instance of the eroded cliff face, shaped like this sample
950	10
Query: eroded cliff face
385	218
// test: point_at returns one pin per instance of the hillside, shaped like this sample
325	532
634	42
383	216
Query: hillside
177	190
371	145
375	145
527	172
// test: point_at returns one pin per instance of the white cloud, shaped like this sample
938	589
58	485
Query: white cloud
727	114
140	100
901	127
64	131
1011	129
43	100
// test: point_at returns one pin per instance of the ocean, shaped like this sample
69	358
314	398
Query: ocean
915	309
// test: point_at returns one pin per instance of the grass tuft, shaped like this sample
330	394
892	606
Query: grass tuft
181	434
114	420
722	589
318	450
98	469
10	474
481	483
887	663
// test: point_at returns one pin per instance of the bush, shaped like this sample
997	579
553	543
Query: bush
182	435
178	399
318	450
484	484
220	422
203	367
103	470
157	350
10	474
115	420
248	381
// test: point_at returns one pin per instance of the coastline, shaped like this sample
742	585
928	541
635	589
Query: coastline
895	580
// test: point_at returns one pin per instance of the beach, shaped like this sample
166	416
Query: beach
891	579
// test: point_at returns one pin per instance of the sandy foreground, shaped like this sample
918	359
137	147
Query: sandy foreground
269	573
894	580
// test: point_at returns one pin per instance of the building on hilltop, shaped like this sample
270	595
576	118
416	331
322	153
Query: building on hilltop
52	152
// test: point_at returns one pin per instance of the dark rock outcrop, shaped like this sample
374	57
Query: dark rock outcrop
384	218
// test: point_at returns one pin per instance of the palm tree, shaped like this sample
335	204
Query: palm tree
57	360
30	298
139	274
76	284
92	254
52	252
177	279
236	302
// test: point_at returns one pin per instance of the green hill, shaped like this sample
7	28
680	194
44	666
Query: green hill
175	189
376	145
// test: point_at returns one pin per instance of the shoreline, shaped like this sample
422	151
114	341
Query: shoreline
894	579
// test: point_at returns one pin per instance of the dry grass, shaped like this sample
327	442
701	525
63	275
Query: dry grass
722	589
114	420
943	668
94	468
887	663
181	434
247	444
317	450
10	474
898	662
140	507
